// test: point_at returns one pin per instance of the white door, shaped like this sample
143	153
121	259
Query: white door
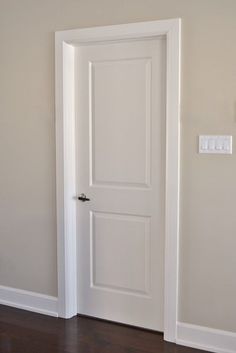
120	113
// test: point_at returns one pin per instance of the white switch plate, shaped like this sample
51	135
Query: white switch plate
221	144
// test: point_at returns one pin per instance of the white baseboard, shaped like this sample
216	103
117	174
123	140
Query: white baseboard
205	338
30	301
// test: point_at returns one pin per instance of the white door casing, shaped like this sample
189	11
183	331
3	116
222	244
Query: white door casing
120	114
66	41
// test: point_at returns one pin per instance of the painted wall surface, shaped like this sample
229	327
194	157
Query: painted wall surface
27	144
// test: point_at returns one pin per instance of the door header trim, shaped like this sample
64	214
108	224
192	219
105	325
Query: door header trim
65	41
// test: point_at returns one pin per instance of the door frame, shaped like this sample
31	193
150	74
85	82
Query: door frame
65	161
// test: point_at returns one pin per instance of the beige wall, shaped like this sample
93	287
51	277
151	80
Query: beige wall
27	144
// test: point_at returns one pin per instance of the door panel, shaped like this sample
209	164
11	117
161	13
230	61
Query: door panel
125	267
120	111
120	100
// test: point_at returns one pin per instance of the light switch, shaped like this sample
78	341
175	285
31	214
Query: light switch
221	144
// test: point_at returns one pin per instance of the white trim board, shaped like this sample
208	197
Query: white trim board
205	338
26	300
65	41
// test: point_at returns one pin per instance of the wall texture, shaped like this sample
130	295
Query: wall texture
27	144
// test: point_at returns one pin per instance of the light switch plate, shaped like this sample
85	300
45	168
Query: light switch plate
220	144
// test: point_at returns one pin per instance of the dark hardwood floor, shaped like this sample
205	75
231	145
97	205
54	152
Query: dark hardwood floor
25	332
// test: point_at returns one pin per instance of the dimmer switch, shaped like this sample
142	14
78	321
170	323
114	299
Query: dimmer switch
221	144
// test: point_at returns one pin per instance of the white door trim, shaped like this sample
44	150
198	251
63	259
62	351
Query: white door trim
65	148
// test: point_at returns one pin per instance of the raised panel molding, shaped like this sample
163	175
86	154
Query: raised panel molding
109	115
133	280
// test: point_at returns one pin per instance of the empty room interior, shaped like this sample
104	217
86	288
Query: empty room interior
118	176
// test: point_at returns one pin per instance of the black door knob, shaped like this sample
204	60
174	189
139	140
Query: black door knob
83	198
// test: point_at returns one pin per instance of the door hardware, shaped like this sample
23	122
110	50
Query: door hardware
82	197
